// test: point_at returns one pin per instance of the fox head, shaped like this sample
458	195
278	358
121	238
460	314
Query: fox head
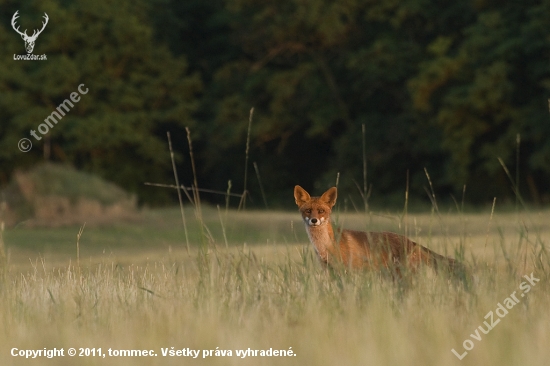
315	210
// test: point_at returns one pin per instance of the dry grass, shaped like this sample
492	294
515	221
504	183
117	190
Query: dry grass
275	295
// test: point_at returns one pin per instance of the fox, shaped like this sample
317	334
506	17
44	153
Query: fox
375	251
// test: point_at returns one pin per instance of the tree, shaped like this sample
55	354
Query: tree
316	71
485	91
137	91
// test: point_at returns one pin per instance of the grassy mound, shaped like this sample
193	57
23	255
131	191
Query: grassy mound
56	195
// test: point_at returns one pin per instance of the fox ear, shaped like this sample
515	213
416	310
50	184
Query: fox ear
301	196
329	197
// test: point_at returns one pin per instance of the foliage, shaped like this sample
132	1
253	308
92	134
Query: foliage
137	90
486	91
447	87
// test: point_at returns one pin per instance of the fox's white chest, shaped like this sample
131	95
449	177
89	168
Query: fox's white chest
320	239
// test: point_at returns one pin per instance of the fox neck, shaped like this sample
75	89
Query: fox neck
322	239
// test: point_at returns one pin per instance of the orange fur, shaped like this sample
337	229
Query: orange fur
358	249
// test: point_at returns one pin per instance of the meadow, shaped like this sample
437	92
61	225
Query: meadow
250	281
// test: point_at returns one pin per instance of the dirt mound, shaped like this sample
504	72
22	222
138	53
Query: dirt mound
57	195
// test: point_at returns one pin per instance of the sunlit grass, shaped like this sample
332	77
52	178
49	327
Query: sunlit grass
271	293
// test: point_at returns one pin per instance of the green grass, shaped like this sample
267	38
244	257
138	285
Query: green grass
157	231
138	288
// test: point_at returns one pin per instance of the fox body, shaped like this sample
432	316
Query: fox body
358	249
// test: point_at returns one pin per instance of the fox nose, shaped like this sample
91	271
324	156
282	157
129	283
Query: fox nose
314	221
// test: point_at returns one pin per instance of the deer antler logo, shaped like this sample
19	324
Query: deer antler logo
29	41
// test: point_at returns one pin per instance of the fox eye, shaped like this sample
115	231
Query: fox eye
308	211
321	211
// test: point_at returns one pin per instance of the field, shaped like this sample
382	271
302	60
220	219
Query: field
250	281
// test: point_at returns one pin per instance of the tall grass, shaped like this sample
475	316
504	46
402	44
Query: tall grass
278	296
255	284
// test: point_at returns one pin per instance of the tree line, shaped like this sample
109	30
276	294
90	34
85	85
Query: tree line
456	92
